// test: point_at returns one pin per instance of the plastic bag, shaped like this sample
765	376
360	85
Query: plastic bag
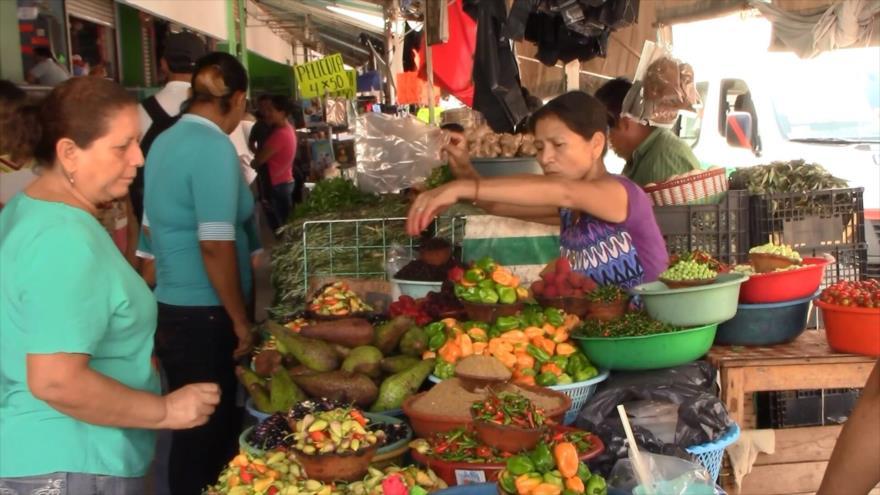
394	153
662	87
671	475
702	417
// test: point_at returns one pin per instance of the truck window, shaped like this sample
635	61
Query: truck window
688	124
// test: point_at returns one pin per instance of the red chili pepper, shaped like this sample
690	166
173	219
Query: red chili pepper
357	416
272	490
441	447
484	451
245	476
317	436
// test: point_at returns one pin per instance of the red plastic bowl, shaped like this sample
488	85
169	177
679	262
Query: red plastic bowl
765	288
853	330
463	473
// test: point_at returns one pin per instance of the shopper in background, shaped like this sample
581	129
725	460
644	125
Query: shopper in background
46	71
79	395
158	113
201	224
277	155
608	229
652	154
18	118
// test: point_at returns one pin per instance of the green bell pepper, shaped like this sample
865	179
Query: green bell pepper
471	295
506	295
584	472
507	481
475	275
436	341
554	316
596	486
486	284
434	328
505	323
542	458
576	362
533	316
553	478
444	370
494	332
488	296
586	374
546	379
459	291
520	464
486	264
570	492
539	354
528	372
561	361
564	379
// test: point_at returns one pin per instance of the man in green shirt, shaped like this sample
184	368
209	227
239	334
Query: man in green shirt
652	154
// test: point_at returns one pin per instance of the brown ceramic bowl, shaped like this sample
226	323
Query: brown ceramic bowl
678	284
578	306
328	468
603	311
488	313
507	438
425	424
766	263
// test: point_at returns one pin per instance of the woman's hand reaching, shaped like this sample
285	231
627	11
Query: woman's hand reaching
459	161
431	203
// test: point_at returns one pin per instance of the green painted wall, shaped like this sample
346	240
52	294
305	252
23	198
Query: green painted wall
130	49
10	45
266	76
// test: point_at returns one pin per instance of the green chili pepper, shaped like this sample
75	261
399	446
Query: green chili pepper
554	478
554	316
437	341
505	323
434	328
542	458
583	472
444	370
507	480
520	464
475	275
486	284
586	374
564	379
488	296
540	355
506	295
596	486
546	379
486	264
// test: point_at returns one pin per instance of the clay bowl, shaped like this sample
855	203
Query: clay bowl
328	468
603	311
578	306
488	313
678	284
765	263
426	424
508	438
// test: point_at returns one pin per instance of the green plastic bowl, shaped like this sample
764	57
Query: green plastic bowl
693	306
648	352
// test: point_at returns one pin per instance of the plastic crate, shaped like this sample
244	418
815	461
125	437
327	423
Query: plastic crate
711	454
796	408
721	229
828	217
851	261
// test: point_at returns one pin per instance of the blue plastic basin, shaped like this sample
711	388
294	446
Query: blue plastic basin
765	324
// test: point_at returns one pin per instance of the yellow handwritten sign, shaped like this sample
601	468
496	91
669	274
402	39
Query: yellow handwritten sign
327	75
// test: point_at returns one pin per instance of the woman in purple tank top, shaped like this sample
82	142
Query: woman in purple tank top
607	226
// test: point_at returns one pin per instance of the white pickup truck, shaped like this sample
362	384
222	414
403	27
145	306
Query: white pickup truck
794	112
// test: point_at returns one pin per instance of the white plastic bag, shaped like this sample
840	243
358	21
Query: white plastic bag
393	152
672	476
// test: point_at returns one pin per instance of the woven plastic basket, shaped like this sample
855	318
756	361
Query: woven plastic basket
711	454
689	190
579	393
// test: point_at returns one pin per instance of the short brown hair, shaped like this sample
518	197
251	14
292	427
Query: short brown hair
18	117
79	109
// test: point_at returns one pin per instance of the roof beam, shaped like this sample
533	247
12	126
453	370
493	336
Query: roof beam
288	6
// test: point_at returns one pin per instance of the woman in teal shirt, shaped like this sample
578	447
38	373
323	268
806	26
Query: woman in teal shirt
200	213
78	395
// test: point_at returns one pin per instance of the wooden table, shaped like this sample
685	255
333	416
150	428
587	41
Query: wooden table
807	363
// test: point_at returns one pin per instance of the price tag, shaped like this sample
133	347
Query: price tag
465	477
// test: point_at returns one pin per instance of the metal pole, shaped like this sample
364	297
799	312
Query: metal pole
231	30
390	97
429	66
242	33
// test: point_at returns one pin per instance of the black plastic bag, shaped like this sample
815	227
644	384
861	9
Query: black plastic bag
702	417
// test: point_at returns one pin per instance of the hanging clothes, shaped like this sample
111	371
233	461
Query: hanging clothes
453	61
497	88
